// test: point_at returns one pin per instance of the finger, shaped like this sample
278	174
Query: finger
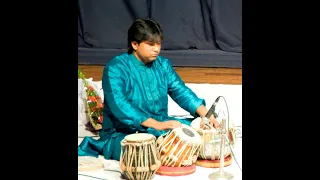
173	125
216	125
201	125
177	125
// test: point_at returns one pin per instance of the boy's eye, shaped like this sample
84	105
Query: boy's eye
152	44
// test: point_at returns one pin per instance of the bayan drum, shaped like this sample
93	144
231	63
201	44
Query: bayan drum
211	145
139	158
179	147
211	138
210	148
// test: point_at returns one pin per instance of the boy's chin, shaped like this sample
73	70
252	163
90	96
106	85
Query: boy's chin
152	58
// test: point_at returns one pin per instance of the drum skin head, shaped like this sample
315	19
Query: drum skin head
138	137
189	134
176	171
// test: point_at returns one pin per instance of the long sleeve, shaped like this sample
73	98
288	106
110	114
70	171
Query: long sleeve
113	84
180	93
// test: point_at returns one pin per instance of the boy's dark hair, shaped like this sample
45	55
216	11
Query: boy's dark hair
144	30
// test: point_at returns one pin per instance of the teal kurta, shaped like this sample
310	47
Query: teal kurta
134	92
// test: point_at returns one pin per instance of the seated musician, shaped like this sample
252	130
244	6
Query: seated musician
136	85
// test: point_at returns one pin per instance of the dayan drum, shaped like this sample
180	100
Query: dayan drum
139	158
179	147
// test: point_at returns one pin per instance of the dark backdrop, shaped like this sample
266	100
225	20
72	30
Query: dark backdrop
199	33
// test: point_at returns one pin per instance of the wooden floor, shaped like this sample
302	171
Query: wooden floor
187	74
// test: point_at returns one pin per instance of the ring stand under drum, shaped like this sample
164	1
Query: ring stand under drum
214	163
179	150
139	157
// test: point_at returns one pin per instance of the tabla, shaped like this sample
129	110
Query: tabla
179	147
139	158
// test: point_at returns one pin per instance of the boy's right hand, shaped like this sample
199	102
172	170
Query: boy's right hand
170	124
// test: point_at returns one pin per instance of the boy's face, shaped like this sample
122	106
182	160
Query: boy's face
146	51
